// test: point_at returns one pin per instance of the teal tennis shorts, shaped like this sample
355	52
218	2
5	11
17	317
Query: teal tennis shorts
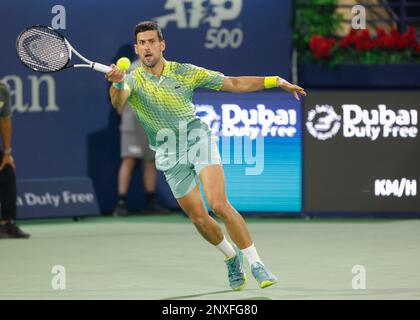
182	177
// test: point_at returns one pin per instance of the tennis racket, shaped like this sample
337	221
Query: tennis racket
43	49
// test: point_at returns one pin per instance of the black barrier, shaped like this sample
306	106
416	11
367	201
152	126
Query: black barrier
361	151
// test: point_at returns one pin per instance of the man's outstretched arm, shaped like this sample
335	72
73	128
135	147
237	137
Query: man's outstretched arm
252	84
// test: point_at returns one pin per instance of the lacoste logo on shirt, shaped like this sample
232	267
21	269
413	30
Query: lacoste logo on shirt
177	87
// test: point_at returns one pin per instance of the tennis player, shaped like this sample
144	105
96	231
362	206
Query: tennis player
160	92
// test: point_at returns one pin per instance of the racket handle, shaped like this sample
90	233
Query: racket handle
101	67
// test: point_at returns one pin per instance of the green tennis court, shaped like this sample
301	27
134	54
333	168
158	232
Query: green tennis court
163	257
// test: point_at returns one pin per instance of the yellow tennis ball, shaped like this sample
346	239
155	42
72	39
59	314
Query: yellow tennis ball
123	63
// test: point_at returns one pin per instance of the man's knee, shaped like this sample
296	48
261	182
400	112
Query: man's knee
199	220
129	162
220	207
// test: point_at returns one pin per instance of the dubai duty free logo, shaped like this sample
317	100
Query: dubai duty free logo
323	122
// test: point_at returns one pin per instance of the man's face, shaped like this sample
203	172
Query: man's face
149	48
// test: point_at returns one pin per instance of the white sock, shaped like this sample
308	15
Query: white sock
252	255
226	248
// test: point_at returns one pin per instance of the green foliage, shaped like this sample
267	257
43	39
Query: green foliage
313	17
320	17
373	57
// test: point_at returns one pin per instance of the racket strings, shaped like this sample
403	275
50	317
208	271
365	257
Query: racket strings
42	49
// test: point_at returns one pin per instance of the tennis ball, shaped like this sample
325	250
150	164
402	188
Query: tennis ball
123	63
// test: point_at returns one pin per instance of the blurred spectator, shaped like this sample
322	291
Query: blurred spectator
8	227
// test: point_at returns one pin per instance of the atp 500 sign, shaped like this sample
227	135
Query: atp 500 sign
191	14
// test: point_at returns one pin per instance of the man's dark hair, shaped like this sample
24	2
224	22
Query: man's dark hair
147	26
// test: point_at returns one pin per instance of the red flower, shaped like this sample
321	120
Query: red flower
365	34
364	41
348	40
409	38
383	41
320	46
386	42
361	40
380	32
399	42
345	42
